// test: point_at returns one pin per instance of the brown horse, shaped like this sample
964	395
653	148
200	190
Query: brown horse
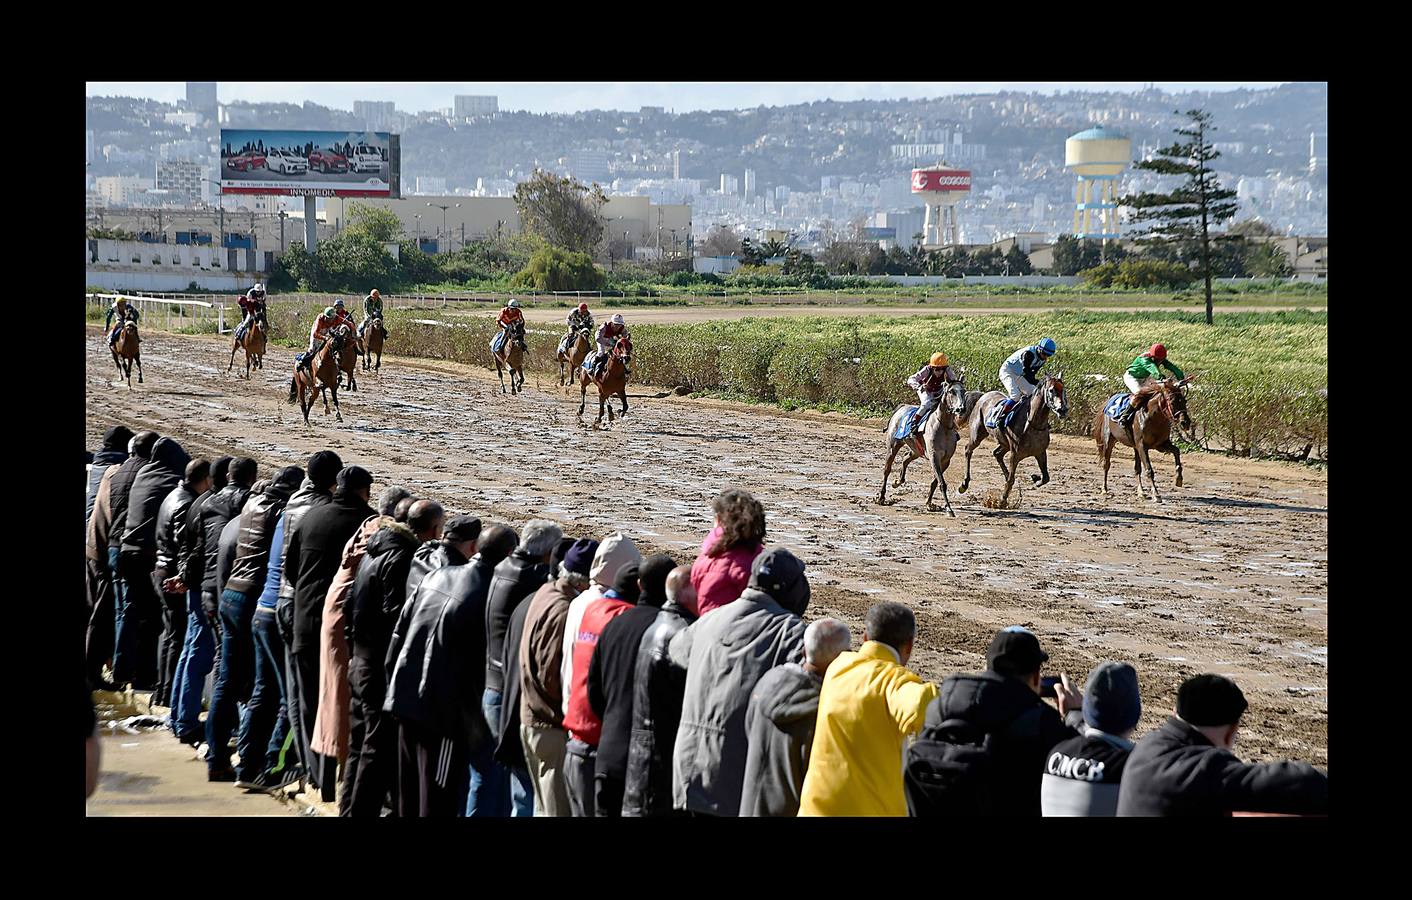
512	356
1027	435
570	360
127	352
611	383
937	441
373	337
348	355
1158	405
253	343
324	377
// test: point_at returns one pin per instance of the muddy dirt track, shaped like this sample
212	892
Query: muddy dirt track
1230	574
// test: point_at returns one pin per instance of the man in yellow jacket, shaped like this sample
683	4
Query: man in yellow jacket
869	704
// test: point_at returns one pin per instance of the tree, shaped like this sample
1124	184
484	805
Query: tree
1017	263
1187	213
554	269
1267	260
1072	256
772	249
721	241
374	222
563	211
1251	228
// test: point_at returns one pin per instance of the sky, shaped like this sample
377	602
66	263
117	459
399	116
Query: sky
560	97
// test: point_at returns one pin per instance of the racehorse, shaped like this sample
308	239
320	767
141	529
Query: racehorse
127	351
937	442
325	376
612	382
1158	406
373	337
348	355
570	360
512	356
253	343
1029	436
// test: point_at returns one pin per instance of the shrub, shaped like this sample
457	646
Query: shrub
552	269
1139	273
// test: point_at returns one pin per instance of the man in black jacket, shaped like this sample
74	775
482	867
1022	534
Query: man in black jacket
371	615
119	487
1186	767
658	688
982	749
199	648
141	629
313	553
254	531
320	476
171	523
112	453
455	548
100	635
497	791
436	661
611	672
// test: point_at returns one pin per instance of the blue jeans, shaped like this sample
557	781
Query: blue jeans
122	641
197	653
233	683
496	791
267	723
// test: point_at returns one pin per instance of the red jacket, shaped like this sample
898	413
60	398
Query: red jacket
721	579
579	718
509	315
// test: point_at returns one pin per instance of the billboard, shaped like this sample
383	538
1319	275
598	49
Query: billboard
940	180
310	163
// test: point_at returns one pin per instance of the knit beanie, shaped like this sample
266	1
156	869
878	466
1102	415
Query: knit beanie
1210	701
1111	700
579	557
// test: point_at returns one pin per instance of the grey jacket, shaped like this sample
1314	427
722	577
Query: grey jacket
725	653
779	728
1082	775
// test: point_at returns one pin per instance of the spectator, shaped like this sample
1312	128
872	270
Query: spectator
437	672
1082	775
983	746
656	705
332	733
119	489
725	655
517	577
314	552
722	569
869	704
321	475
102	581
374	609
541	651
455	548
112	453
616	551
779	723
171	525
1187	767
612	666
236	679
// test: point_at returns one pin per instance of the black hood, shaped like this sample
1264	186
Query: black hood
285	483
168	454
392	537
987	700
116	438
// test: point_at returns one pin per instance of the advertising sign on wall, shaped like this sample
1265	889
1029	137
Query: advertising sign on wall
940	180
310	163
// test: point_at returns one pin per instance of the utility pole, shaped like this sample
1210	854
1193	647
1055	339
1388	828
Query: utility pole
282	216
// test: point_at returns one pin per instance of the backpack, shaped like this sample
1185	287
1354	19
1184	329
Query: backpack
950	770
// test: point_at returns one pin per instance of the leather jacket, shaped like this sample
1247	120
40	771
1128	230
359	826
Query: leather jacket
428	558
171	526
257	529
656	712
300	502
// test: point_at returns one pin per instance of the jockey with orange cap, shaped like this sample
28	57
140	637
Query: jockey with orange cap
1145	369
930	384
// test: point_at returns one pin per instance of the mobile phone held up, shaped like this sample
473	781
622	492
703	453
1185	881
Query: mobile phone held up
1046	686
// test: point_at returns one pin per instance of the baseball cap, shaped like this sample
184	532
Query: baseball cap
1210	700
462	528
1015	651
354	478
780	574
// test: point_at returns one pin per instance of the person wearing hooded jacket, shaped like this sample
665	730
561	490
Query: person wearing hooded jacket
436	676
373	611
611	670
198	650
142	622
656	704
725	654
119	489
101	636
171	521
779	723
112	453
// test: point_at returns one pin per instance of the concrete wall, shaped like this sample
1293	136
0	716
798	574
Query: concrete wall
1014	280
109	264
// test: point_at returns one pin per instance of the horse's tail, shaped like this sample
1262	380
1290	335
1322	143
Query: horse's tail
293	390
1098	431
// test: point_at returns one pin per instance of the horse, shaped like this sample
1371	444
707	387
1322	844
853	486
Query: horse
348	355
127	351
253	343
570	360
322	375
937	442
511	355
1158	404
1027	437
613	382
373	337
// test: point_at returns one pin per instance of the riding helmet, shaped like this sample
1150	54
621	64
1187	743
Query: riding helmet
513	304
1048	347
328	312
939	359
583	307
617	319
1158	352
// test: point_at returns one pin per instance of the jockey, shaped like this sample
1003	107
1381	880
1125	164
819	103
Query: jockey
372	309
1145	370
342	316
1018	372
318	332
608	334
123	312
510	316
578	319
253	305
930	383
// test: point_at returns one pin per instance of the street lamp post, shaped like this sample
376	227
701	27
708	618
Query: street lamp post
418	217
222	202
443	209
282	216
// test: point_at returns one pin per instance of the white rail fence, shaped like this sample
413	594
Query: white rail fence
171	312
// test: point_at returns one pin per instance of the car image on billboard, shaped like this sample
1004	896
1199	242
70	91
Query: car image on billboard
325	163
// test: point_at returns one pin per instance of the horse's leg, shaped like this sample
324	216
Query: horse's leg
887	470
583	396
999	455
337	413
1010	477
1151	474
971	443
623	395
377	369
233	347
500	374
138	361
1171	447
912	455
1109	442
605	401
1042	460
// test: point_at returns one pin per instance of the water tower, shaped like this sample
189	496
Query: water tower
940	187
1098	156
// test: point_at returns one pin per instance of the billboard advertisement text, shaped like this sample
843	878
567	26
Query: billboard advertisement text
309	163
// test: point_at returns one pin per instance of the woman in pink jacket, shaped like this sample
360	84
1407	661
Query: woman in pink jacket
722	569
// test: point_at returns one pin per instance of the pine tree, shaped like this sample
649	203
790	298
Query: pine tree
1187	213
